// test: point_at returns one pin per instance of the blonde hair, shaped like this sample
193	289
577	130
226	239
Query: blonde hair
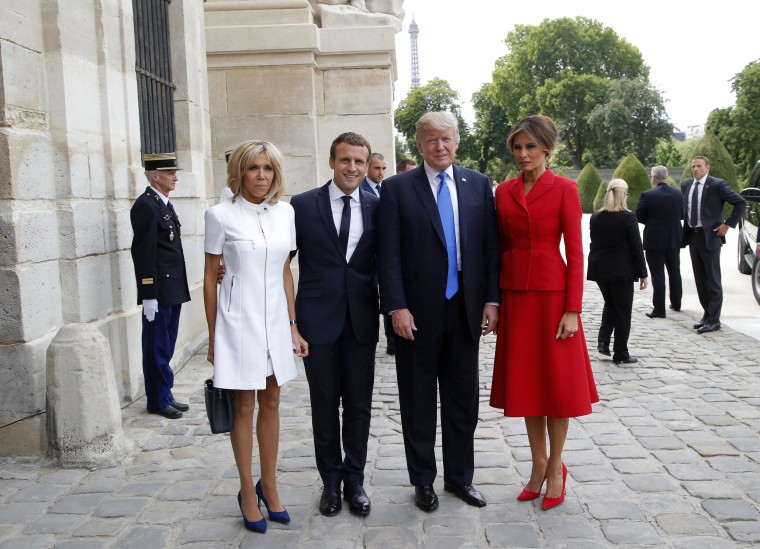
243	156
616	197
437	120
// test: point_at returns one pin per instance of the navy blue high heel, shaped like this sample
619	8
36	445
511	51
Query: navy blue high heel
275	516
259	526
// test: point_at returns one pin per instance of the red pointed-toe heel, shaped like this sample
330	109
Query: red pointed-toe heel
527	495
548	503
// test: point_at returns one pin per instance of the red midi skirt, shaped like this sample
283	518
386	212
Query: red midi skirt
535	374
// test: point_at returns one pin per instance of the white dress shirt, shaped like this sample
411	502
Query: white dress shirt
357	222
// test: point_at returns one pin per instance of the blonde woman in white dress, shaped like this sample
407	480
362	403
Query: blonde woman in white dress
251	317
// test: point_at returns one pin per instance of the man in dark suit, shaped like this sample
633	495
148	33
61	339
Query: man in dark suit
372	184
704	231
337	310
161	280
438	266
660	210
375	174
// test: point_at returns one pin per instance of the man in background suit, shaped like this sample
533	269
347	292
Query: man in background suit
660	210
405	164
704	231
373	183
337	313
161	280
438	266
375	174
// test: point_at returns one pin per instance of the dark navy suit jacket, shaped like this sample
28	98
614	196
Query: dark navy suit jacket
157	251
328	286
412	259
660	210
368	186
715	194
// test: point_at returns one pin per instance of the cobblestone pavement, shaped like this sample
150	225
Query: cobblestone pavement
669	458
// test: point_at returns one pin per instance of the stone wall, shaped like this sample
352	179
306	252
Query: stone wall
299	73
295	72
70	168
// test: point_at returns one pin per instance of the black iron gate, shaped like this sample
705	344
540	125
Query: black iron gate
154	76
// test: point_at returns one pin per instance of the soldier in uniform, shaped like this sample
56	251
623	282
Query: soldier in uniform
161	280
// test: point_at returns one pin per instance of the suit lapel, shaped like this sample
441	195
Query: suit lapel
165	212
464	203
516	191
544	184
422	188
325	213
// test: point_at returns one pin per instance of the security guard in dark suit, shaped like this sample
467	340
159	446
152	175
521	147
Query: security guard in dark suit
161	280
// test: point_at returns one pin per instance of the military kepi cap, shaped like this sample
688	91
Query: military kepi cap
160	161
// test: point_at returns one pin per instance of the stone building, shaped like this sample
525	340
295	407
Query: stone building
295	72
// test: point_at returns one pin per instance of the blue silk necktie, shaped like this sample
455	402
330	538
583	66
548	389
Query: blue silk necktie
446	211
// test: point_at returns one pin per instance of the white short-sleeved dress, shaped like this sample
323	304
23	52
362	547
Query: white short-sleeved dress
252	335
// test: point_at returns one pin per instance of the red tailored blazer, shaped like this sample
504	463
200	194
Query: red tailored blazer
530	229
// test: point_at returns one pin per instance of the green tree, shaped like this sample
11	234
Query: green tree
739	127
668	153
436	95
490	133
569	101
588	181
633	172
556	50
631	120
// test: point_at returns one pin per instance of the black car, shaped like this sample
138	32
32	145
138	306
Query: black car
746	259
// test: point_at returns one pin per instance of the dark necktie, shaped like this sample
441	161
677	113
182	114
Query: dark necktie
345	223
694	217
446	211
377	188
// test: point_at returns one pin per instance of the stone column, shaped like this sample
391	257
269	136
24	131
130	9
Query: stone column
83	414
298	73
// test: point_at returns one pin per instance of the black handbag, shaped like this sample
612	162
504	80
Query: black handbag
219	408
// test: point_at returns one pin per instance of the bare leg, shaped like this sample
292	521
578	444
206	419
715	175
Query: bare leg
242	446
536	427
557	434
268	435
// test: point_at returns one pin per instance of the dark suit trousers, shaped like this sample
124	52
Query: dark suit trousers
706	265
616	315
390	335
658	261
341	372
158	340
447	361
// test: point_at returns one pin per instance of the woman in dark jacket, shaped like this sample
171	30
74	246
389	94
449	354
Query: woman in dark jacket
615	260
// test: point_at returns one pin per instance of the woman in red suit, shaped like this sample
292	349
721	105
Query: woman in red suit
542	370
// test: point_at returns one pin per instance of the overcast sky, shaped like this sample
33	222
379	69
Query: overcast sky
692	48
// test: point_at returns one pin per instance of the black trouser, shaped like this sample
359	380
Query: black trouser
447	361
659	261
341	373
706	265
616	315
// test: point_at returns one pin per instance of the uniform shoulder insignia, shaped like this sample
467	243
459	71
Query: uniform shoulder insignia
147	281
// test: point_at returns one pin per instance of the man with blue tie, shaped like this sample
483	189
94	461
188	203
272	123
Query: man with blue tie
337	313
438	266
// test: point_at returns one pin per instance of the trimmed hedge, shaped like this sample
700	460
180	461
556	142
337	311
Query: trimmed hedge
588	185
